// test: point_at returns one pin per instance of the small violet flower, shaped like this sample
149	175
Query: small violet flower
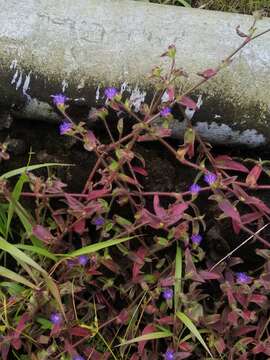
59	99
165	112
196	239
110	93
99	221
56	318
83	260
169	355
65	127
210	178
167	294
194	189
78	357
242	278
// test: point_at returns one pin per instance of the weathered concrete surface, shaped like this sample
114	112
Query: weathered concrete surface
78	47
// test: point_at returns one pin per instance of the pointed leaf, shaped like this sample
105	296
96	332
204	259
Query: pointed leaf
229	210
193	329
226	162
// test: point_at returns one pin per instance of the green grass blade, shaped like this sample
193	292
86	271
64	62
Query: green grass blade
23	169
24	217
177	277
16	277
192	328
183	2
151	336
55	293
15	196
18	254
37	250
96	247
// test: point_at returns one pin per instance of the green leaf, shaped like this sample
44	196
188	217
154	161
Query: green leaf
13	287
16	277
151	336
15	196
18	254
177	277
37	250
21	170
192	328
45	323
56	294
96	247
183	2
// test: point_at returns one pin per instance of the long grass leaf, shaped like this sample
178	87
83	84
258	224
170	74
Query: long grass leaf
183	2
23	169
151	336
177	277
15	196
96	247
37	250
193	329
16	277
55	293
18	254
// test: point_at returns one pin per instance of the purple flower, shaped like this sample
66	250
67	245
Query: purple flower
169	355
78	357
65	127
196	239
110	93
83	260
195	189
59	99
167	294
165	112
99	221
242	278
56	318
210	178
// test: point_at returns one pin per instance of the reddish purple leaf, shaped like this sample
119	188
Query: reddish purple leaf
160	211
243	330
250	217
191	272
147	330
42	233
79	226
208	73
226	162
229	210
176	211
260	205
188	102
258	299
170	92
15	336
122	317
183	355
254	175
94	194
166	320
5	346
209	275
79	331
140	170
